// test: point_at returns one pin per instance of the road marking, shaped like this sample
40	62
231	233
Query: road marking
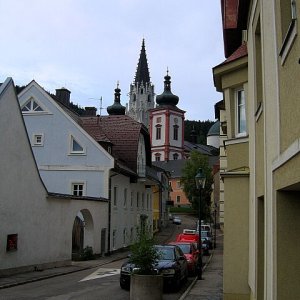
100	273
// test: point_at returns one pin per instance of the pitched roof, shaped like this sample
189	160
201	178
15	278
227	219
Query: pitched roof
123	132
240	52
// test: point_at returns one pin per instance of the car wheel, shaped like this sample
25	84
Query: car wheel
124	286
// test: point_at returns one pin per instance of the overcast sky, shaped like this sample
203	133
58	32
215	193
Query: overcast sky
89	45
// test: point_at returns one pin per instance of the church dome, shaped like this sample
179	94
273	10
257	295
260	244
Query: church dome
117	108
167	97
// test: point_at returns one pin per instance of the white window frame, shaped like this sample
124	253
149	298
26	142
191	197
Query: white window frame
83	190
35	138
239	133
32	110
75	152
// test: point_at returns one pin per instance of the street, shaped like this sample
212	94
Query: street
95	283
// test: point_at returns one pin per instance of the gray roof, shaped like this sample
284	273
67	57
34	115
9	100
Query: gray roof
173	166
204	149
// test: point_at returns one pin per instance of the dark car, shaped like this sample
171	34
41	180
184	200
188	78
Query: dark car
172	264
207	235
191	254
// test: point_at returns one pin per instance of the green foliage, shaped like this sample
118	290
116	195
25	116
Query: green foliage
190	170
143	254
201	129
87	253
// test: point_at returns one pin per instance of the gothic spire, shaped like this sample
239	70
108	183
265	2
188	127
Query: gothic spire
142	71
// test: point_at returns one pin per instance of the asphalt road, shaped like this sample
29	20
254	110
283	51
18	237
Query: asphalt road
92	284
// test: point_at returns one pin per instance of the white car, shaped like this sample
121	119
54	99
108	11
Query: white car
176	220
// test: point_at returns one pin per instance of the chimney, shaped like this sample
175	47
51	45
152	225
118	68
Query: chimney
90	111
63	96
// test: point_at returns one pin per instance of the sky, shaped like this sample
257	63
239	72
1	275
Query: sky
87	46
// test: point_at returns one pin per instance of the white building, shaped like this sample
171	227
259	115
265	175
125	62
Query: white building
36	226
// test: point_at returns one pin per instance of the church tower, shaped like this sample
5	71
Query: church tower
167	126
141	95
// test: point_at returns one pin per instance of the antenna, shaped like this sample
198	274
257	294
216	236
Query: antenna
100	104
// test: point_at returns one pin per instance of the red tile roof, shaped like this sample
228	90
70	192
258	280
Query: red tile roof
122	131
238	53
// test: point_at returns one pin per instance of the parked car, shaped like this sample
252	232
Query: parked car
191	236
207	235
191	253
176	220
172	264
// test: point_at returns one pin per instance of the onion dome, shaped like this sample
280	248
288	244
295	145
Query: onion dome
167	97
117	108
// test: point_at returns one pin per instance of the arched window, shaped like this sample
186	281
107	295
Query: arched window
157	156
158	132
175	156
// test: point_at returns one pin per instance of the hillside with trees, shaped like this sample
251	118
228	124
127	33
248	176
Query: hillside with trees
201	129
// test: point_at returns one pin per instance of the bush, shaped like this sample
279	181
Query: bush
87	253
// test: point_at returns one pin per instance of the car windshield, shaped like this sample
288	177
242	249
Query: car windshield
186	248
166	253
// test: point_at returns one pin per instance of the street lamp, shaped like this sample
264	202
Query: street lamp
200	183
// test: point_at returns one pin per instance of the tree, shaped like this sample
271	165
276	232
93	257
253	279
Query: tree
190	170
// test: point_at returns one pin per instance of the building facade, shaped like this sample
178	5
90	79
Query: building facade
167	126
261	100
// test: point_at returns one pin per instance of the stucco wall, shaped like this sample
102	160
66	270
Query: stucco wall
236	238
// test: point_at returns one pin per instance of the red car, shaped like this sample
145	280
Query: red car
191	254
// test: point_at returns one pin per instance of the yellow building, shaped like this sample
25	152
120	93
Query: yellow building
261	162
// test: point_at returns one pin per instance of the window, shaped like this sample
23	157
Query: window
158	132
115	196
240	112
75	147
12	242
175	156
288	26
178	185
32	106
124	236
157	156
131	199
38	140
78	189
158	120
177	199
147	201
175	132
125	197
143	200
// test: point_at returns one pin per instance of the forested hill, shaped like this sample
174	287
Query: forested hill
201	129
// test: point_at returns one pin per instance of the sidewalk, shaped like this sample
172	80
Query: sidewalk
211	287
